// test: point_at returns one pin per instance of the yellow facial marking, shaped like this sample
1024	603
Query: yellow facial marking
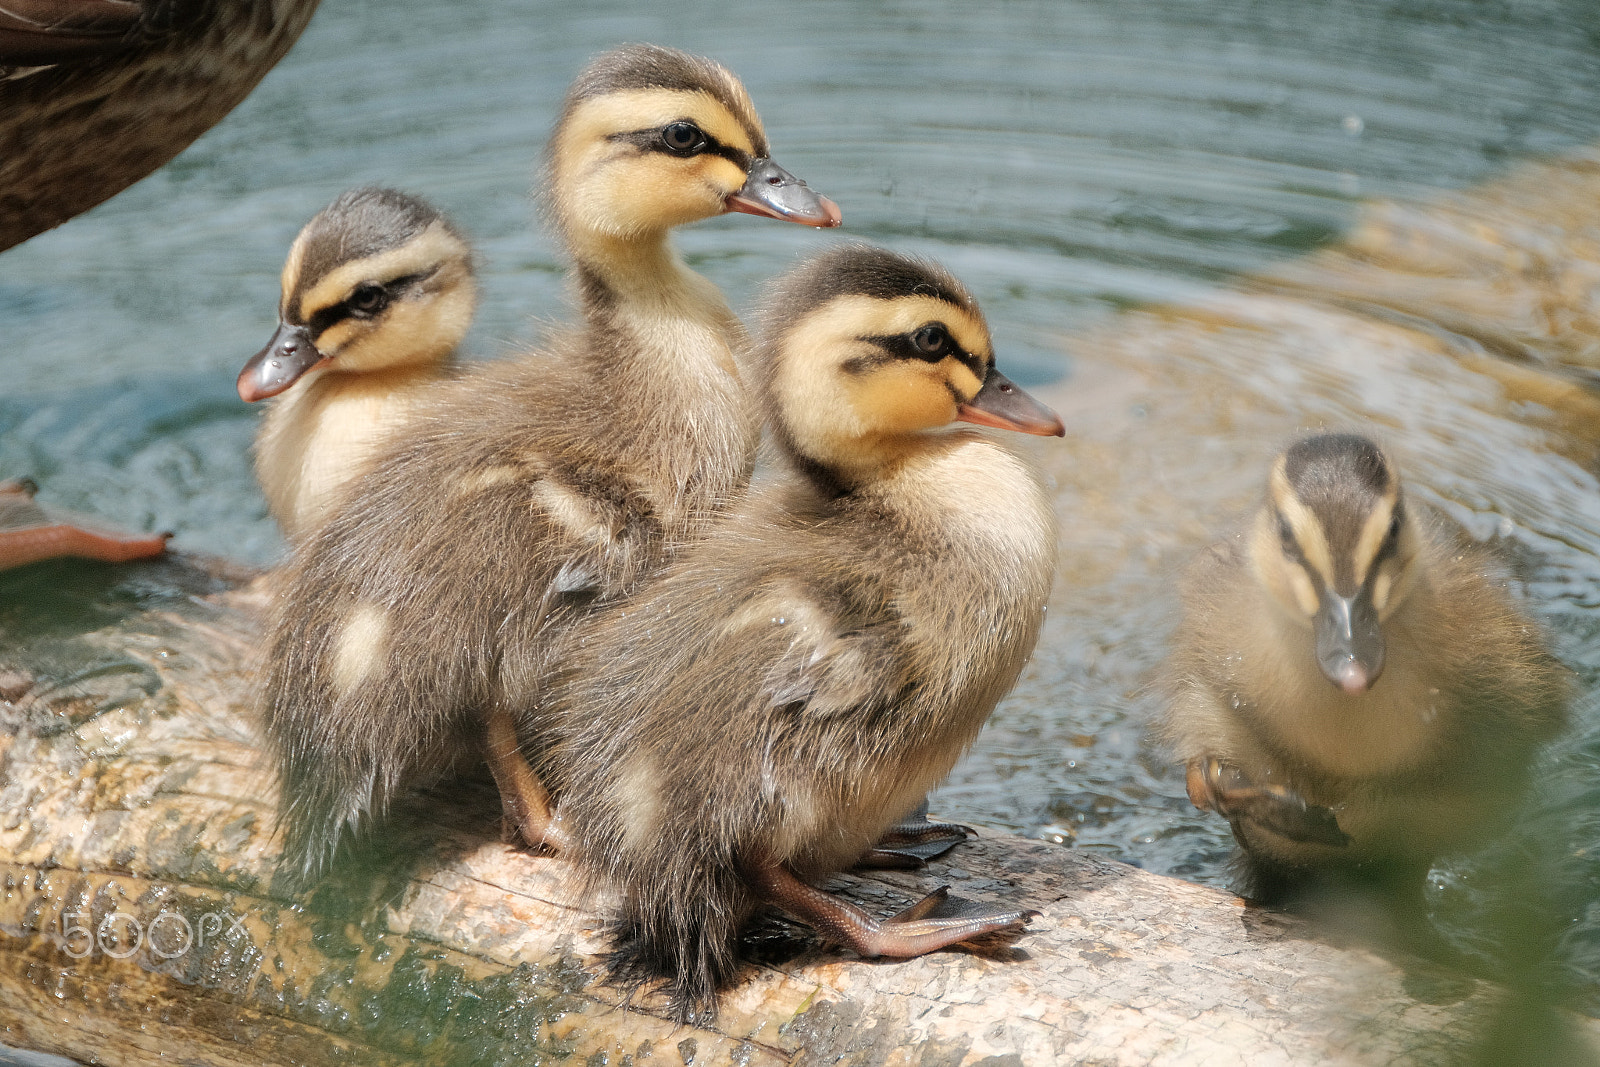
1373	533
332	341
362	647
966	383
611	188
1305	594
1279	575
411	331
289	280
592	122
849	317
1308	533
833	413
904	397
1382	585
429	248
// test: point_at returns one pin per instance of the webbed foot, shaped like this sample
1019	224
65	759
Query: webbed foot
1215	785
934	922
912	842
29	534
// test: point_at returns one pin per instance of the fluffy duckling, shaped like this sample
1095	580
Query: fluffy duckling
759	715
378	291
435	597
96	94
1350	687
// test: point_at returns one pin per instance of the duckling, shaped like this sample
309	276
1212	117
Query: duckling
378	291
531	488
30	533
1350	688
96	94
756	717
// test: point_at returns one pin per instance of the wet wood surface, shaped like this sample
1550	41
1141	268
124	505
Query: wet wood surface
138	919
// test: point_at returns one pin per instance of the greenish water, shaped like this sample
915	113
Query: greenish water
1068	158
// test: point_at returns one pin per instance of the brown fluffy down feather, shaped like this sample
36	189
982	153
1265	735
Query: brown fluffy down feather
789	688
450	537
516	497
1469	688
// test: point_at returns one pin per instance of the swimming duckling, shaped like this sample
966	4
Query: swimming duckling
378	291
96	94
757	717
1351	689
531	487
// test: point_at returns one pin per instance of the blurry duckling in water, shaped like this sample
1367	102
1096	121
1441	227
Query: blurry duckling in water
438	593
758	716
1350	687
378	291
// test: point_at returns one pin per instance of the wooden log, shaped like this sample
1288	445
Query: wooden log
138	920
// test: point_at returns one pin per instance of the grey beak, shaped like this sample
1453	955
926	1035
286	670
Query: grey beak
1003	404
270	371
773	192
1349	641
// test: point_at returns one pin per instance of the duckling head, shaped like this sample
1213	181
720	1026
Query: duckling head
377	281
651	138
1335	548
867	353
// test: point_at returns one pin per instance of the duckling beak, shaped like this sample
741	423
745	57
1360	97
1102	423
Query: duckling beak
1001	403
771	191
270	371
1349	641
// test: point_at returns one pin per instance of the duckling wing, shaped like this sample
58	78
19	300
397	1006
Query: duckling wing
839	673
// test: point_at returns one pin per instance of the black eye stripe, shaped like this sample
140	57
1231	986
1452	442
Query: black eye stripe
649	140
1291	545
325	318
900	346
394	289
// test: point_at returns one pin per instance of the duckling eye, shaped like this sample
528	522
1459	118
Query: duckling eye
1286	535
931	340
368	299
683	138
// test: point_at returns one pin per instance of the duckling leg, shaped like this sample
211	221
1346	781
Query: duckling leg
1215	785
21	547
932	923
31	537
911	843
529	815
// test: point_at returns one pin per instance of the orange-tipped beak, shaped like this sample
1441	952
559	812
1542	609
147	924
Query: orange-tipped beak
1003	404
288	356
774	193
